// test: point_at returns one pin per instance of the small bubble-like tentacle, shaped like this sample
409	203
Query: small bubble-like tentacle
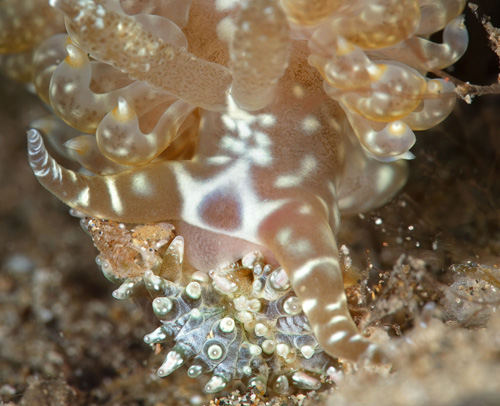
432	56
423	54
367	184
258	61
121	140
145	56
226	370
385	141
375	96
436	106
378	79
341	64
90	157
160	287
88	153
130	287
237	335
305	12
173	361
435	15
378	23
380	91
46	58
79	106
395	91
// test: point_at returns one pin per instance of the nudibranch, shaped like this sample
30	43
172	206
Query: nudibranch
250	126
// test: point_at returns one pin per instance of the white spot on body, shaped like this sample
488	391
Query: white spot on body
298	91
224	5
310	124
284	235
296	246
356	337
41	173
100	10
116	202
308	166
338	336
226	29
244	141
69	87
253	208
305	209
337	305
72	176
233	145
218	160
337	319
309	304
56	172
83	198
266	120
141	185
305	270
99	23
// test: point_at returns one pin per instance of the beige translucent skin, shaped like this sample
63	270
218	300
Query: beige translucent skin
23	25
253	81
295	116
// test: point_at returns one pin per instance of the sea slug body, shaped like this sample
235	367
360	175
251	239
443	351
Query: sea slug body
249	127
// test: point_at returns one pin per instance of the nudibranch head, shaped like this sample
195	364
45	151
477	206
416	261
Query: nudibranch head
248	125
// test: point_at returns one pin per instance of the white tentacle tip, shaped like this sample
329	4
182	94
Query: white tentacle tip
36	149
124	111
76	57
33	135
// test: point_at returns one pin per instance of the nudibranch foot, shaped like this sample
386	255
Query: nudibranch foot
240	322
